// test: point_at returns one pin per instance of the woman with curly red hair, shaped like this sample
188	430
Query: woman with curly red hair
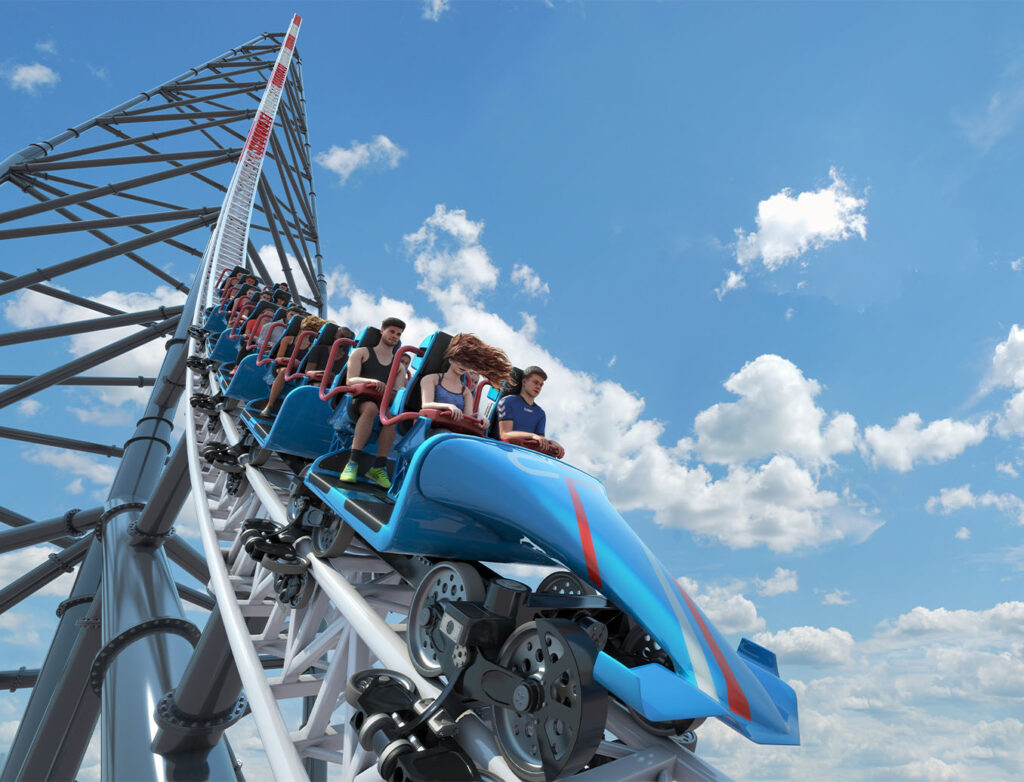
448	390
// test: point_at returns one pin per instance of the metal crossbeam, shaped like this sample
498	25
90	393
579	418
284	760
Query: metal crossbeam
88	361
85	326
84	380
56	441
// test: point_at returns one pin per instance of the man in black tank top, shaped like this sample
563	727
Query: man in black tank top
372	366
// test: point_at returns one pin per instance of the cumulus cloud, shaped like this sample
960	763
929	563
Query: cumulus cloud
380	152
15	564
779	583
1007	366
954	499
529	281
809	645
29	309
933	684
29	407
432	9
1007	468
91	468
963	534
47	47
29	78
789	226
776	413
907	442
777	503
725	606
837	597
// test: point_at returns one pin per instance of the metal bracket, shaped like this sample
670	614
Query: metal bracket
169	715
133	529
75	533
111	512
64	566
161	624
71	602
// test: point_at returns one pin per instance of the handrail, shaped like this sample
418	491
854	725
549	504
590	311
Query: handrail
260	361
255	326
220	278
478	395
433	414
326	395
293	359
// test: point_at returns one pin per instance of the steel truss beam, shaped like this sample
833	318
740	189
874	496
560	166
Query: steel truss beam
84	326
139	382
32	533
88	361
25	436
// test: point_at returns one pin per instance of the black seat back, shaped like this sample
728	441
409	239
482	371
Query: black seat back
513	386
368	339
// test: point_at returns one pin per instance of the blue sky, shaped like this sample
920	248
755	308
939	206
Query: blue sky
863	163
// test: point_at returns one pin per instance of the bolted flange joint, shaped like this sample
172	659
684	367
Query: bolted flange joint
160	624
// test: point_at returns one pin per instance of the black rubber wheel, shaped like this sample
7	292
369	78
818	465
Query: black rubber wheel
332	537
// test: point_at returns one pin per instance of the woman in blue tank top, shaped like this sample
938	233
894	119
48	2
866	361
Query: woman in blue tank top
448	390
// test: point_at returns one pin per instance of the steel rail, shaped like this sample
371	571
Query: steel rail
281	753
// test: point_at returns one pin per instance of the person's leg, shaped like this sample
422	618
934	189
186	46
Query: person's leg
365	415
275	391
379	472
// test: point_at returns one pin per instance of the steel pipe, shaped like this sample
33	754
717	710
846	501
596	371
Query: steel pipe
48	531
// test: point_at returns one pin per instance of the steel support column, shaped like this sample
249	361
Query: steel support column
47	531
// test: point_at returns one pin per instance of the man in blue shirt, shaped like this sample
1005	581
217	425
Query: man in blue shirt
520	417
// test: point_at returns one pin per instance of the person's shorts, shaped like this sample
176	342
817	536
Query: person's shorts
356	403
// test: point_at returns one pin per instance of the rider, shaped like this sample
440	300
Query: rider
519	415
284	350
449	390
372	366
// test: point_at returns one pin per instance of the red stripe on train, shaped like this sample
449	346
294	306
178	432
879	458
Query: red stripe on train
738	703
588	544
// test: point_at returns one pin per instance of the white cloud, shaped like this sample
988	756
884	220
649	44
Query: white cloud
963	534
611	361
781	581
47	47
906	443
18	629
809	645
1017	264
788	227
100	73
379	152
778	504
529	281
1011	421
88	467
933	685
1003	619
1006	468
29	407
776	413
950	500
837	597
432	9
725	606
733	282
103	415
15	564
29	309
29	78
790	312
75	487
1007	367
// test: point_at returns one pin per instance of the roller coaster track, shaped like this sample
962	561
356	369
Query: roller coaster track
284	660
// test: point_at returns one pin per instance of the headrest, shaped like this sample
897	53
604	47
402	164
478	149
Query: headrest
430	363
